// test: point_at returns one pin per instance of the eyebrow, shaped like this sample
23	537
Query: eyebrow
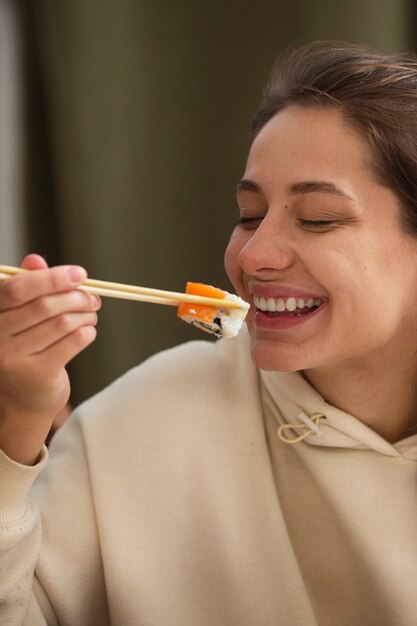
317	186
304	187
248	185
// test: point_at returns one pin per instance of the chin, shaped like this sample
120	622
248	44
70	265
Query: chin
268	356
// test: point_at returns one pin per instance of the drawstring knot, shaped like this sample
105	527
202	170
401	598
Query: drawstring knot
311	424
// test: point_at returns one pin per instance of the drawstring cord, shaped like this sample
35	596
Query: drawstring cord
310	423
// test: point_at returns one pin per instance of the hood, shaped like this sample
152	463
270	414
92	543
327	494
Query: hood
292	395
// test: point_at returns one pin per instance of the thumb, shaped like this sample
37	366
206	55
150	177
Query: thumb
34	262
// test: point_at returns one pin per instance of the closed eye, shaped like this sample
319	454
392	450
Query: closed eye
317	224
249	222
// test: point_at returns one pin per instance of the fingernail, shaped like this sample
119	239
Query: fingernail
96	301
76	274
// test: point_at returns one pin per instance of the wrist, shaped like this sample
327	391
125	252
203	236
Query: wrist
22	436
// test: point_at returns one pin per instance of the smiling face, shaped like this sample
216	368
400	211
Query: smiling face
319	251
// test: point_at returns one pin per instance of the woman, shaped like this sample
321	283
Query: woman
169	498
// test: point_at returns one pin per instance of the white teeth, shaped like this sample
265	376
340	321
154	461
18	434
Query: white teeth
280	304
291	304
270	303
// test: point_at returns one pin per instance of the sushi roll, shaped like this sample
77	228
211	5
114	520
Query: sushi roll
222	322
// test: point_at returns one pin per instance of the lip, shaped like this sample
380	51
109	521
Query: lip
284	322
268	290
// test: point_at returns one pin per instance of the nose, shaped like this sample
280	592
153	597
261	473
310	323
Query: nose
269	250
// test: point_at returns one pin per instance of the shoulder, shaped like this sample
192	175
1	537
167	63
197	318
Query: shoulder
185	367
186	407
195	362
197	377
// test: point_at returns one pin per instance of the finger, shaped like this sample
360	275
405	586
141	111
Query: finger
20	319
63	351
44	335
34	262
28	286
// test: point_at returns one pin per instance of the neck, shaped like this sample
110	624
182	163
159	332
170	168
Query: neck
384	398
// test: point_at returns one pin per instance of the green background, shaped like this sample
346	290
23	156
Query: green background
137	127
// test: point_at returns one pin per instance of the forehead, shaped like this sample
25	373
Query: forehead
310	142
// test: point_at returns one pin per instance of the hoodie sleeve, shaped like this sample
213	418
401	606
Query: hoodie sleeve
20	534
49	546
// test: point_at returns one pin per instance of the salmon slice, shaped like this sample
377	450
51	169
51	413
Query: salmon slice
217	321
201	312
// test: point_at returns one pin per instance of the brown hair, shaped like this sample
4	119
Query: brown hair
377	94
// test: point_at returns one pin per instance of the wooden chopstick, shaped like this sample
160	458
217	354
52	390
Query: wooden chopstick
133	292
127	295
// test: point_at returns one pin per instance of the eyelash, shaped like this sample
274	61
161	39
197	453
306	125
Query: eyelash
246	221
242	221
316	223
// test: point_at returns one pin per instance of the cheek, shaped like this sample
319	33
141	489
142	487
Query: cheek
231	261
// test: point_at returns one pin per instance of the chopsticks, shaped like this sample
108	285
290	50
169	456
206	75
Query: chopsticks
133	292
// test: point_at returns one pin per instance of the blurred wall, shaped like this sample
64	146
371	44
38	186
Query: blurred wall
137	130
11	227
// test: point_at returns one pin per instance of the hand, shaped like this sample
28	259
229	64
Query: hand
45	321
59	420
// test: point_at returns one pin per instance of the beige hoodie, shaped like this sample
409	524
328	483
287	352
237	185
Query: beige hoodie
169	500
